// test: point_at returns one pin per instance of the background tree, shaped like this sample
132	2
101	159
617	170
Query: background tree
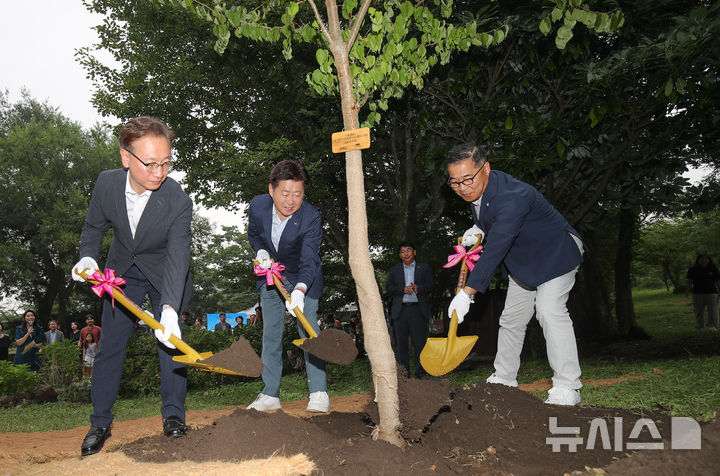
48	166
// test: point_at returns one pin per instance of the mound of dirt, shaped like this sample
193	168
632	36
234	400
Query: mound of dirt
481	429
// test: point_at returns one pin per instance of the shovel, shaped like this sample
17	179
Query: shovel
441	355
332	345
191	357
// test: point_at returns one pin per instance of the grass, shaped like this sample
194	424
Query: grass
685	383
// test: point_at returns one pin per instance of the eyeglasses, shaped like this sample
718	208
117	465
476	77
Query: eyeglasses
406	250
466	182
152	167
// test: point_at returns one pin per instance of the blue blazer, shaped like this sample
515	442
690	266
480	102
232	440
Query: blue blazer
299	245
395	285
524	232
161	246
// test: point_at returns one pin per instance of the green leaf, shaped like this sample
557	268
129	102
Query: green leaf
321	55
499	36
669	87
545	25
680	84
508	123
556	14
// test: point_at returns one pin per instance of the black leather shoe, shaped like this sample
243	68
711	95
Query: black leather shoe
94	440
174	427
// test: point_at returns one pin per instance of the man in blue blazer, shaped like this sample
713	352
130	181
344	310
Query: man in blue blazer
410	284
286	229
150	217
541	253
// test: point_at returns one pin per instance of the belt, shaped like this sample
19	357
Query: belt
409	304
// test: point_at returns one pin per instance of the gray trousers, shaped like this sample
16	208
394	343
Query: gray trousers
702	301
273	315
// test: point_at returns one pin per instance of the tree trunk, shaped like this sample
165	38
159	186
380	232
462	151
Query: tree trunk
377	339
624	309
589	303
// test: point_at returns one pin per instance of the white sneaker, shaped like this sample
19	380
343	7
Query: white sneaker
264	403
495	379
563	396
319	402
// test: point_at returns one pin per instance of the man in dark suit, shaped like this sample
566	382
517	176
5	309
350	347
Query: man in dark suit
541	253
285	228
410	284
150	217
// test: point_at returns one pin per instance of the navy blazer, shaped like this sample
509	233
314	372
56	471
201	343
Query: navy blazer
395	285
161	246
524	232
299	245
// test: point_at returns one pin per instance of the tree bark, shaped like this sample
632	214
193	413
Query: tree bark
624	310
377	339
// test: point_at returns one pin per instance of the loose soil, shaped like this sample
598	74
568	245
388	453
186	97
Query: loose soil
480	429
332	345
240	358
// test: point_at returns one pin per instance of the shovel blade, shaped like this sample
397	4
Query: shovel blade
192	362
439	357
299	342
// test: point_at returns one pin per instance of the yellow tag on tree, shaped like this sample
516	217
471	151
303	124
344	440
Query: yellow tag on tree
351	140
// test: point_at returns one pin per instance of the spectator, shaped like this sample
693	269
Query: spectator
321	323
410	283
54	334
91	328
199	323
185	319
89	354
29	337
355	328
4	344
704	282
222	325
74	332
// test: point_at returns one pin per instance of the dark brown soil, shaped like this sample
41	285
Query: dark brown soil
332	345
239	358
482	429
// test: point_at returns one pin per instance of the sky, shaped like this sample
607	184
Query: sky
39	39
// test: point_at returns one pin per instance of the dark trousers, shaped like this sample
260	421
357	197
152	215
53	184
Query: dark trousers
117	327
410	324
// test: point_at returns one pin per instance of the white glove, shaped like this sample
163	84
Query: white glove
86	264
169	320
263	258
471	237
297	299
461	305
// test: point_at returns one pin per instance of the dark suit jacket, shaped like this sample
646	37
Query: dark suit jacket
161	247
525	232
396	283
299	244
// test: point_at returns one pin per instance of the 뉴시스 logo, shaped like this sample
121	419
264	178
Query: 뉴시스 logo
685	434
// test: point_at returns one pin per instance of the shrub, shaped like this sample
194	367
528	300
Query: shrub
17	378
60	365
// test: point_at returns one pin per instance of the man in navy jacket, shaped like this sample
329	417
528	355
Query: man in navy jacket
283	227
541	253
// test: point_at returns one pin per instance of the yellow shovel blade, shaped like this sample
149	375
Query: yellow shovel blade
193	362
441	355
299	342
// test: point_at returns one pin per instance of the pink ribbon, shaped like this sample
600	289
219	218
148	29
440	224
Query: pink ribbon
271	273
468	257
107	283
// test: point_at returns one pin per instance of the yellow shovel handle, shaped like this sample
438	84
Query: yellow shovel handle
298	313
462	278
145	317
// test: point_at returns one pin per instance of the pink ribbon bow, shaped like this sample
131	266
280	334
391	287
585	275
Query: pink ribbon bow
270	274
468	257
107	283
